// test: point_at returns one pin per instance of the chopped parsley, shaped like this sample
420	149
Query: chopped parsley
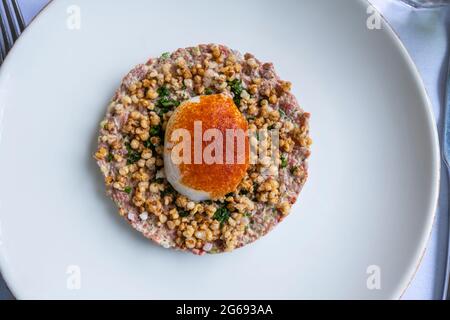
281	111
163	91
109	157
165	55
208	91
127	190
148	144
155	130
164	102
237	88
284	161
132	156
183	214
222	215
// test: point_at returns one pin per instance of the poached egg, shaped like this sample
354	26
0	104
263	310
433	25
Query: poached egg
206	148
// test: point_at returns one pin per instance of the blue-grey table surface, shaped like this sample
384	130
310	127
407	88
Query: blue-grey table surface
425	34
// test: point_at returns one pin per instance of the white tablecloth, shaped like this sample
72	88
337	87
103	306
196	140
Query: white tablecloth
425	34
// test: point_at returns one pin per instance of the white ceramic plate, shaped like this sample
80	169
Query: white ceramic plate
374	169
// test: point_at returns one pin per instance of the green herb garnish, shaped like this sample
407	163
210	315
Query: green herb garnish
163	91
183	214
166	103
165	55
236	88
222	215
133	156
155	130
148	144
127	190
284	161
208	91
109	157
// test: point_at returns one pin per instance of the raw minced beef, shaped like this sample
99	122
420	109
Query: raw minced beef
131	145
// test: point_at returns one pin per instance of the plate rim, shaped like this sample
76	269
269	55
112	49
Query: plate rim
430	118
436	143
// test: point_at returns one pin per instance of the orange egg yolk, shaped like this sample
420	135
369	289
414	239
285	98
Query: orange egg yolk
217	112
